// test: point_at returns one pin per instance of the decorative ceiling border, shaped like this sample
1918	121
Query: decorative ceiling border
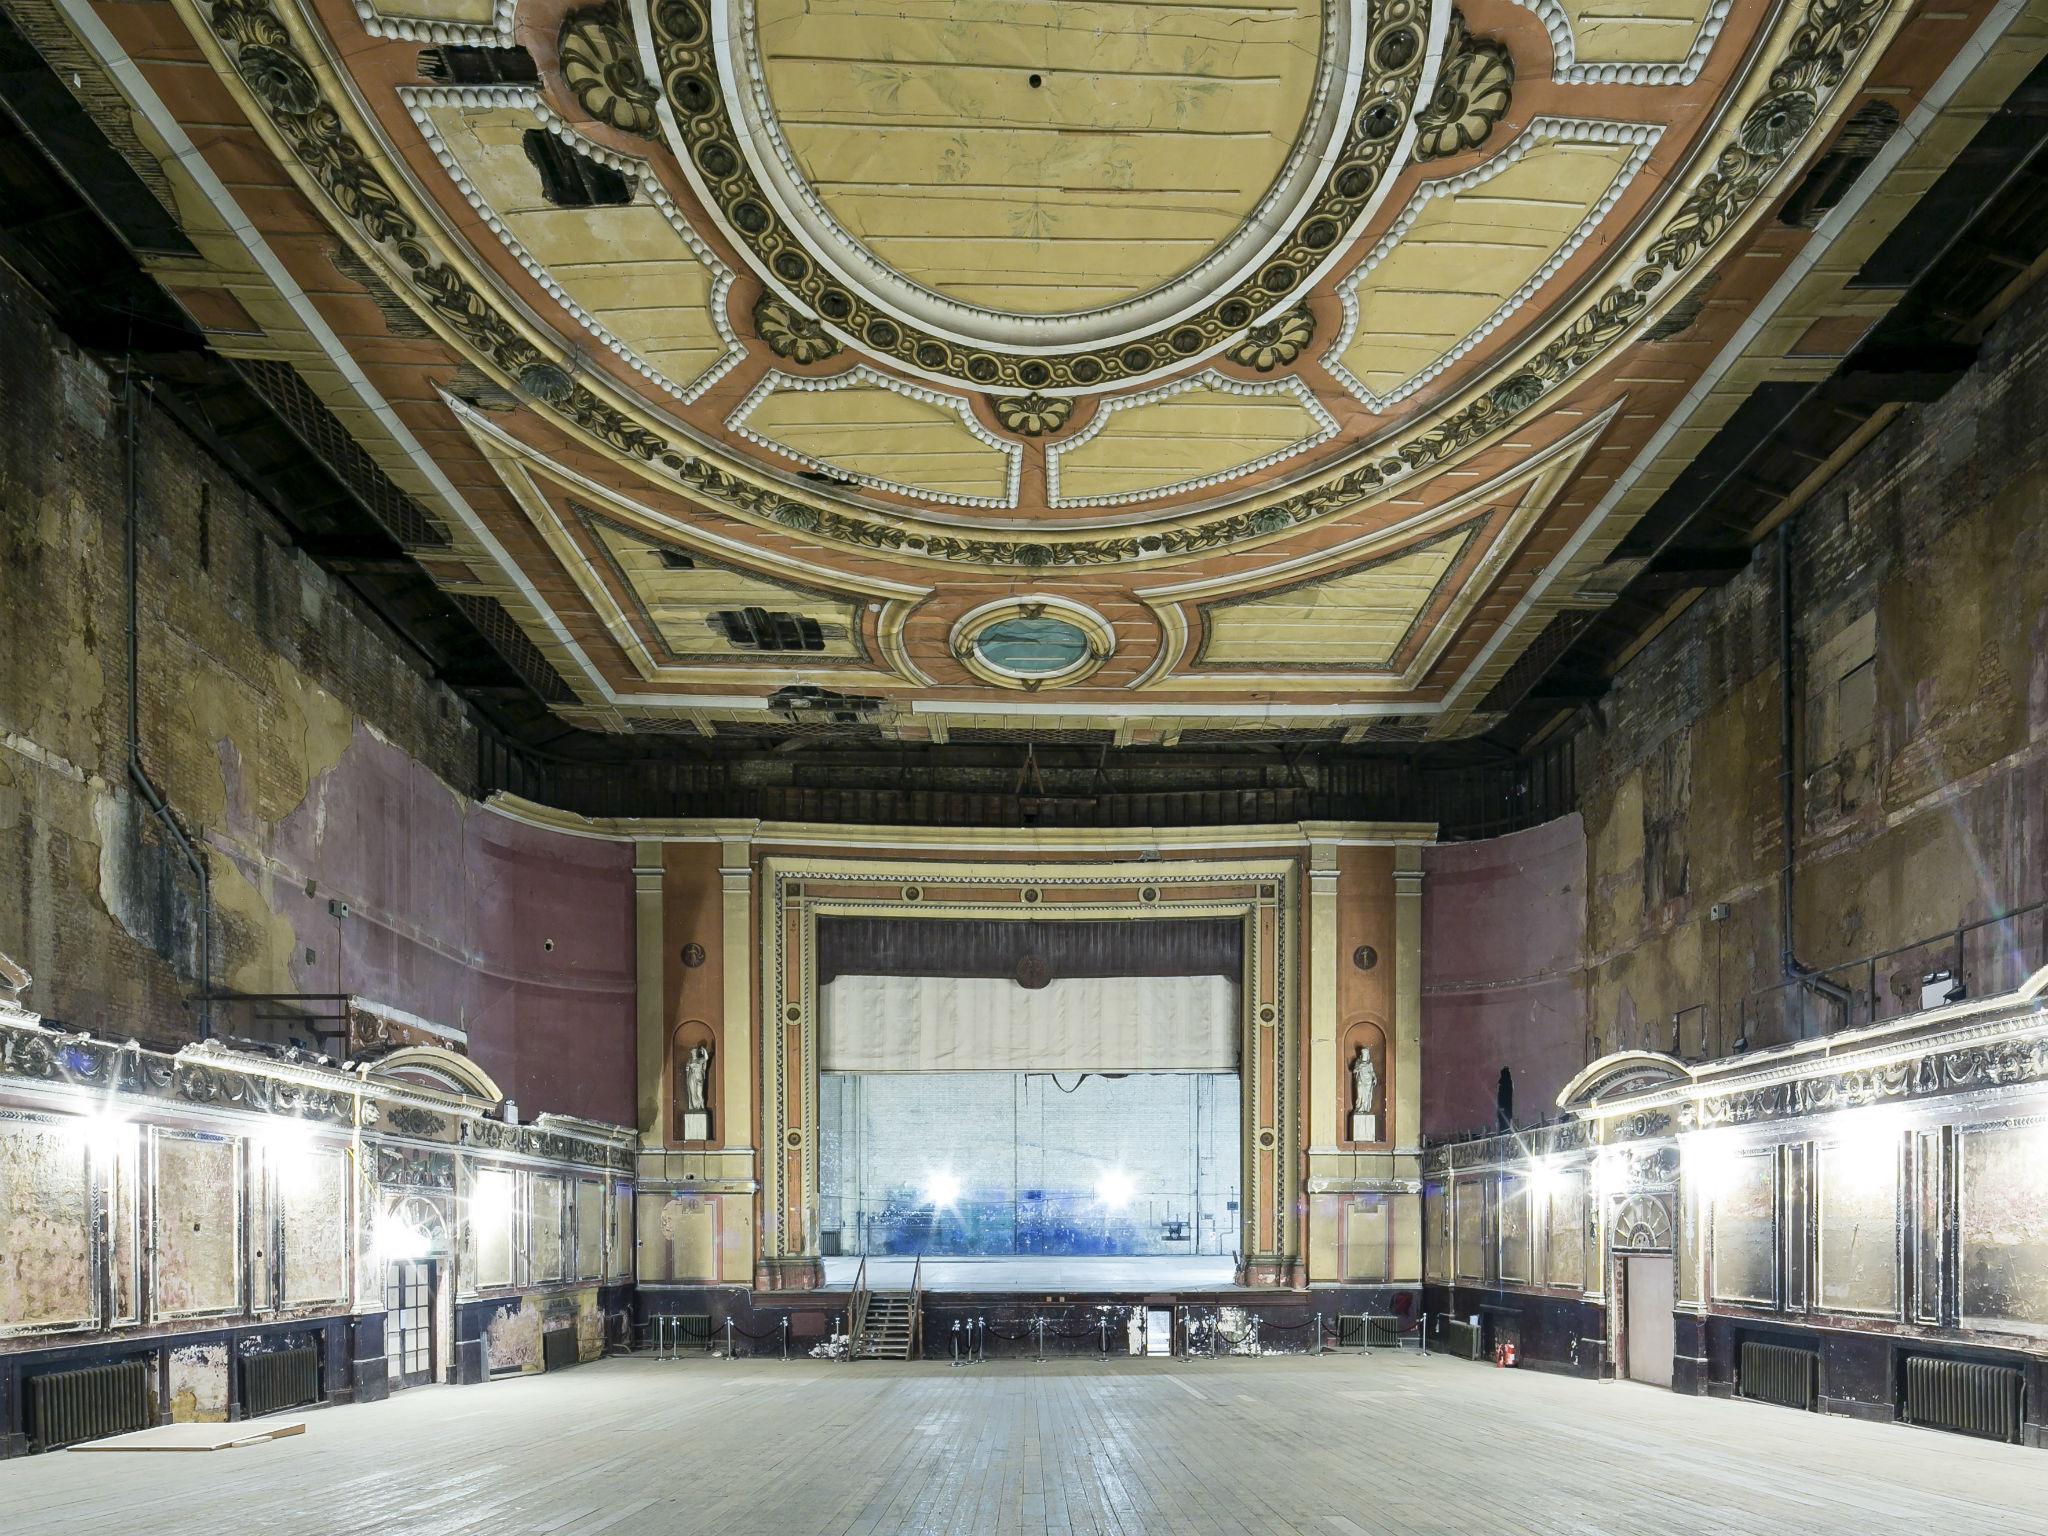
1542	130
1567	70
775	382
1340	64
417	98
289	102
420	29
678	49
1209	378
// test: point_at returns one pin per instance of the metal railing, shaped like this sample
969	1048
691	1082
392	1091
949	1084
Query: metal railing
857	1311
916	1308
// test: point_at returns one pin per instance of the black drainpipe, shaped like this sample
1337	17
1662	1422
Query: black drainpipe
1788	792
137	774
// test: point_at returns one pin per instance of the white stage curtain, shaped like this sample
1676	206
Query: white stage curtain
990	1024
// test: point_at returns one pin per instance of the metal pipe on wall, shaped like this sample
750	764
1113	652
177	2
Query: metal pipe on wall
1788	791
138	775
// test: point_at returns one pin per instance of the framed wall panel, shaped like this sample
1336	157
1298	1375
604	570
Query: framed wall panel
47	1246
2002	1226
1517	1240
1930	1222
196	1194
545	1197
1469	1198
1745	1229
1436	1233
121	1186
492	1223
1564	1233
619	1264
589	1229
1857	1194
312	1185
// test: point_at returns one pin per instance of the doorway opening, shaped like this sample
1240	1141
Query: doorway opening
410	1321
1648	1338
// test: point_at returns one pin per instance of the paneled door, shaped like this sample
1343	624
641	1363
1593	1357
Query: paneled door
409	1322
1651	1339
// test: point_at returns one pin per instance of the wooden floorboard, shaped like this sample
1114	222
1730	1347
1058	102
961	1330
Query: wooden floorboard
1386	1445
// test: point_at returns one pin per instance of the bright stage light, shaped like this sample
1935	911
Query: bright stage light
398	1239
941	1190
1114	1189
1707	1161
106	1135
1544	1176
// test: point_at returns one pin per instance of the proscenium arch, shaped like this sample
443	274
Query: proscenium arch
1261	893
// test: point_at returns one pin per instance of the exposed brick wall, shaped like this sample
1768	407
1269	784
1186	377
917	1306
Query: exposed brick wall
1920	583
299	741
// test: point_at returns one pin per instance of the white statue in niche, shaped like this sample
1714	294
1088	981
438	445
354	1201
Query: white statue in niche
1365	1093
696	1088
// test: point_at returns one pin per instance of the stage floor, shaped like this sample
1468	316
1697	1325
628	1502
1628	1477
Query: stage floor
1040	1274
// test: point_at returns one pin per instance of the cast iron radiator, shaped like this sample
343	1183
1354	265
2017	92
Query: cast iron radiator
68	1406
279	1379
1966	1396
1777	1373
1372	1330
558	1349
1462	1339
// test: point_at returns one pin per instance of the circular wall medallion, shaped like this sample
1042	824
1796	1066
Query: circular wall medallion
913	893
1365	957
794	1138
1266	1140
1032	642
693	955
1149	893
1032	972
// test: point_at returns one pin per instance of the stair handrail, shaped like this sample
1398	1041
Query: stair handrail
857	1311
917	1308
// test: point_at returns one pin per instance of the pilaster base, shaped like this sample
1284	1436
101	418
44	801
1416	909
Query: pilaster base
803	1273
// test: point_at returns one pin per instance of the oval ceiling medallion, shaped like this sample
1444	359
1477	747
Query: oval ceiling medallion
1032	643
1023	195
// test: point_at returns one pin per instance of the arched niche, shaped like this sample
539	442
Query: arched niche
683	1039
1373	1037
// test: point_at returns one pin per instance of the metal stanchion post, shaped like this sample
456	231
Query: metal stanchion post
956	1341
785	1336
1256	1320
1040	1321
1319	1335
1102	1330
981	1329
728	1336
1425	1335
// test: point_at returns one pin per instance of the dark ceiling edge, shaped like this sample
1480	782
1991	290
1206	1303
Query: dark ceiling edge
1957	254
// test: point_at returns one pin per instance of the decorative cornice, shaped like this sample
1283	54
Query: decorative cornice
417	29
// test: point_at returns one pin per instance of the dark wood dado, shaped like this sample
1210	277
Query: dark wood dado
1552	1333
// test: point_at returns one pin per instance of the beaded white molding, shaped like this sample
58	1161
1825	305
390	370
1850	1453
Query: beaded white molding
1566	69
1326	428
414	29
420	99
861	375
1332	100
1642	135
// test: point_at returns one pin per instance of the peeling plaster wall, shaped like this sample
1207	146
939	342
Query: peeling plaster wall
1920	587
1920	583
1503	984
303	744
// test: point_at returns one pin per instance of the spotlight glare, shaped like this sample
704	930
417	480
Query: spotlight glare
1114	1189
941	1190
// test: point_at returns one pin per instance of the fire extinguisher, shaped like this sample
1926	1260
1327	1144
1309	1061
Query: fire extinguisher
1504	1353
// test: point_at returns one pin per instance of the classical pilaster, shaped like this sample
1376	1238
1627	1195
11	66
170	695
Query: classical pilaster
736	1075
650	952
1322	994
1406	1106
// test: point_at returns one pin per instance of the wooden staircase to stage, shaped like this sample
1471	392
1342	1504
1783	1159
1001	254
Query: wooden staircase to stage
884	1325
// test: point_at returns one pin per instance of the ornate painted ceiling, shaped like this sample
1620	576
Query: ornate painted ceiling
1135	364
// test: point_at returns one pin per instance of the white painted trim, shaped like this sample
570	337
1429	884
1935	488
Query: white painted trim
411	29
1567	70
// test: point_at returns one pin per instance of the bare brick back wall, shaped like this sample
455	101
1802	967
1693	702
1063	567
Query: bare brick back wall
294	736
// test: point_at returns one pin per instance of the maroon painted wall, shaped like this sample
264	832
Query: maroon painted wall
522	937
1503	973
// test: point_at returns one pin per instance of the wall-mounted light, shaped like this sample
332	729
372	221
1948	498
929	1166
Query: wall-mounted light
287	1148
106	1136
1707	1161
941	1191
